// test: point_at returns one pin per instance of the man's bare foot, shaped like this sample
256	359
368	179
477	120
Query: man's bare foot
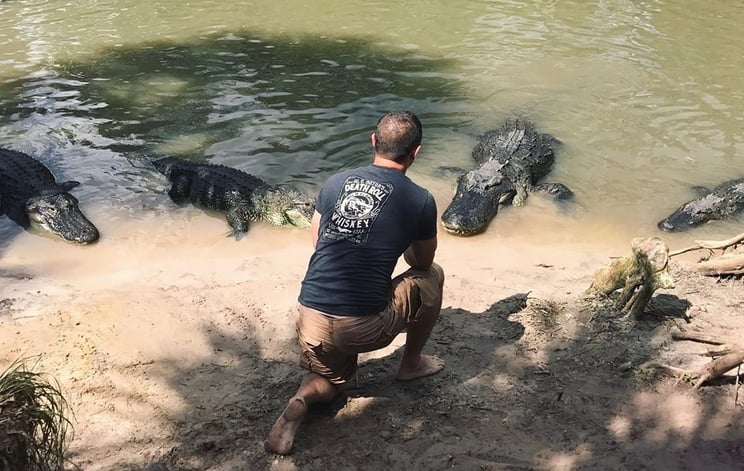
281	436
425	365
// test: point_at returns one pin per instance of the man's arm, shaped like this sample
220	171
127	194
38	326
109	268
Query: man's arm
315	228
420	255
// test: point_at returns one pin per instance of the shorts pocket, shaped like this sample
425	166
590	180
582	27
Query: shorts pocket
359	334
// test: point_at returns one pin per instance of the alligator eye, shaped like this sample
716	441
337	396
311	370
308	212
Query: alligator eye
492	182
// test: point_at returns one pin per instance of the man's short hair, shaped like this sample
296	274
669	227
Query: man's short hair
398	134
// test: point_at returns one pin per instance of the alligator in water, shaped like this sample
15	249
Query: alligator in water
242	196
511	160
31	197
725	200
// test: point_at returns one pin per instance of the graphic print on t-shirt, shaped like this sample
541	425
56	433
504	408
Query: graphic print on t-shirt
356	210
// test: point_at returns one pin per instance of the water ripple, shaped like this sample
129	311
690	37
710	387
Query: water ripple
645	95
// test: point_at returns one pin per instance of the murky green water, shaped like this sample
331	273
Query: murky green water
647	96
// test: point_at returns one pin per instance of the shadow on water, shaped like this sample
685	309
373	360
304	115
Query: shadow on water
290	110
285	108
503	402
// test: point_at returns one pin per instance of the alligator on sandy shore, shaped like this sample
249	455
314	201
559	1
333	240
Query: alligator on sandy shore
31	197
511	160
244	197
725	200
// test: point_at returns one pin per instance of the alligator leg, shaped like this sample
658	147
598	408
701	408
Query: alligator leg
181	190
520	197
558	191
238	217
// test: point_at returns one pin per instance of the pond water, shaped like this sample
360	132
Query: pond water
646	96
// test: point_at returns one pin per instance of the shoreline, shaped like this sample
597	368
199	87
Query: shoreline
179	354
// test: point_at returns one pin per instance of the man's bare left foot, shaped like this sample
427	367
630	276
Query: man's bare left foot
426	365
281	436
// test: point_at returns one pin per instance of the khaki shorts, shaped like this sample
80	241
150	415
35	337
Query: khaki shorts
330	344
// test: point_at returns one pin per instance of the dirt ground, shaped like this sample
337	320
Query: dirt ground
180	357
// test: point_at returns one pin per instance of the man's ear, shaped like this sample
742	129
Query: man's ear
373	138
416	150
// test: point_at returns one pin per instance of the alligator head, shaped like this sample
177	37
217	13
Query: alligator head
694	213
285	207
477	199
726	200
57	212
164	165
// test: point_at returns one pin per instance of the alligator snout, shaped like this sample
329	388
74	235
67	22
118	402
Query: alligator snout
667	226
472	210
300	212
681	220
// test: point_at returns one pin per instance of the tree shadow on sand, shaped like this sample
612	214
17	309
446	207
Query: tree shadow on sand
529	384
230	421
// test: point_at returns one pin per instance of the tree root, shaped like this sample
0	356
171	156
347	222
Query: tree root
702	337
639	275
731	263
729	357
710	244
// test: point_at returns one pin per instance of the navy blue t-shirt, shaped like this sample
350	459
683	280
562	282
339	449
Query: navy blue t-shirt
369	217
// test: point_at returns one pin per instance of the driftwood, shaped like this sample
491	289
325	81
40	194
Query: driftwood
731	263
726	359
703	337
726	264
638	275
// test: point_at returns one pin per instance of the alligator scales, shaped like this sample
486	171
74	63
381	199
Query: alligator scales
242	196
511	161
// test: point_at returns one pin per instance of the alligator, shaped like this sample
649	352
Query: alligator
244	197
30	196
511	160
725	200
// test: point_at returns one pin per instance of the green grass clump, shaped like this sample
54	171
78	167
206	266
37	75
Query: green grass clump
33	421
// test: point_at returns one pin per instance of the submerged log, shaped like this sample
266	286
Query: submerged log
638	275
